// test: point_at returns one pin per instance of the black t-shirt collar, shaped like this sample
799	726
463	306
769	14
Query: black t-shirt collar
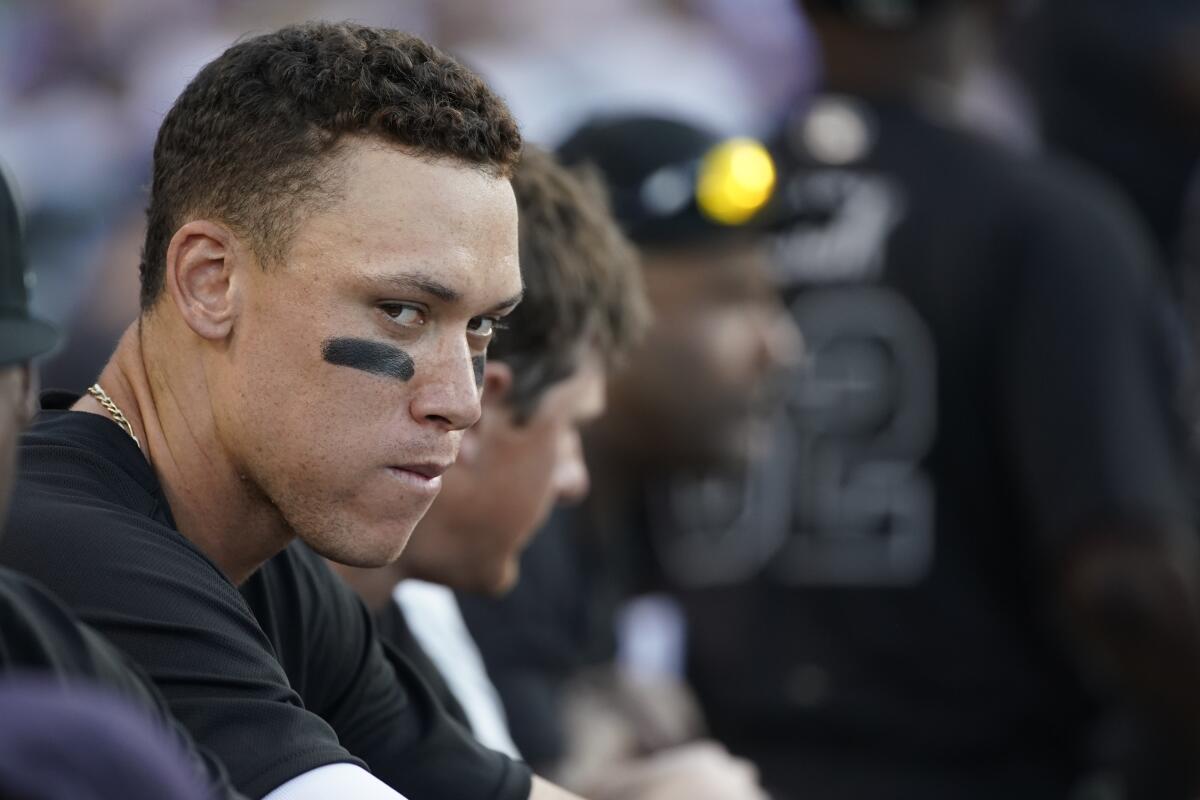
102	434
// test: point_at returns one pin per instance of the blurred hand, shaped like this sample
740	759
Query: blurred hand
611	717
700	771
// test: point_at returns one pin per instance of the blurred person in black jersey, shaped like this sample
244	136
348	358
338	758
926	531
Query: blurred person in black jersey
77	720
693	395
969	569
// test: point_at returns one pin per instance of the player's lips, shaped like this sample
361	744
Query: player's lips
430	470
423	477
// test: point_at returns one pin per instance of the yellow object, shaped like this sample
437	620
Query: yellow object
736	180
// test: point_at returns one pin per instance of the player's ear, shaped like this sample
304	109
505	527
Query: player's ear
497	388
202	258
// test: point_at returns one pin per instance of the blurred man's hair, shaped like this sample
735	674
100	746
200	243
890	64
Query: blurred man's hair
583	284
251	139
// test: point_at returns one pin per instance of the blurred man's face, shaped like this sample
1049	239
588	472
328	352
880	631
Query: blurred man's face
510	478
695	393
15	411
354	368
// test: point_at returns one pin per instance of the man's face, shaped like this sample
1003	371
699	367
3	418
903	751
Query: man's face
15	412
353	368
499	497
695	392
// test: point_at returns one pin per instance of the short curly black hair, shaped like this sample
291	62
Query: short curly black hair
249	140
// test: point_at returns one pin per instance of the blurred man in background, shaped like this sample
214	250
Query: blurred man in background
691	395
981	579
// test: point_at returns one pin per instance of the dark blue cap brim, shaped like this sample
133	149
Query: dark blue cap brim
23	338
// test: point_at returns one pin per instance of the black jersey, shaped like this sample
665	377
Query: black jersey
276	677
993	367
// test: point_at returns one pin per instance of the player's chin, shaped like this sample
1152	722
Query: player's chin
368	546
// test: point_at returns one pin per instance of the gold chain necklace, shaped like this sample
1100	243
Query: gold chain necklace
114	411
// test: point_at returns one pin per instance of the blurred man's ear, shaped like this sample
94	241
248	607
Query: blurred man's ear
497	383
497	386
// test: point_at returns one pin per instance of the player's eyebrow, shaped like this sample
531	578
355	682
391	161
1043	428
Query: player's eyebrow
421	283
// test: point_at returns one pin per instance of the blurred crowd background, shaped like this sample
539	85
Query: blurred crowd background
84	86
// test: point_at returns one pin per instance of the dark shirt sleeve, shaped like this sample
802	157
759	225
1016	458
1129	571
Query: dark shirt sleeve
381	708
159	600
1090	372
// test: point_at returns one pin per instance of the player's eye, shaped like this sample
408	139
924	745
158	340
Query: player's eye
483	327
404	313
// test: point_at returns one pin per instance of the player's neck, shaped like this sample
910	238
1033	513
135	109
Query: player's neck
167	402
376	584
373	584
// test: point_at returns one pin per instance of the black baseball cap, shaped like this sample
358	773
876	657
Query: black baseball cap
22	337
674	183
